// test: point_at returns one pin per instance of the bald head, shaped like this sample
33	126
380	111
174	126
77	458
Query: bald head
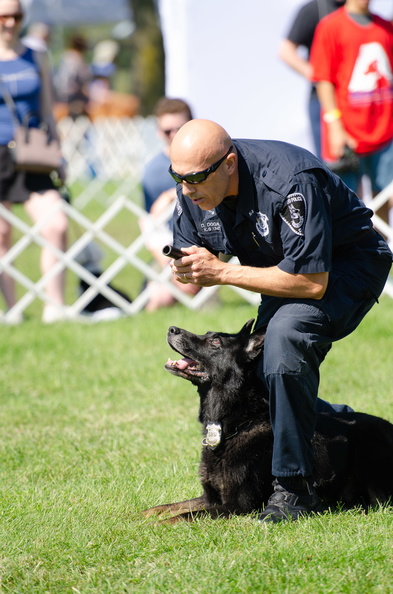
198	144
202	145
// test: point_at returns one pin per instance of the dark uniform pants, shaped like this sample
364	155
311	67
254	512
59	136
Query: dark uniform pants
299	334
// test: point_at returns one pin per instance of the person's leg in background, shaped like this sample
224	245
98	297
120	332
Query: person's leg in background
7	283
55	232
380	172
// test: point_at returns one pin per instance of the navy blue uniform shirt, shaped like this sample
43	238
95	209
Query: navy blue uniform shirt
291	212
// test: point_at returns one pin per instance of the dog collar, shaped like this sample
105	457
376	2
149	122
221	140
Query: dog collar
248	423
213	435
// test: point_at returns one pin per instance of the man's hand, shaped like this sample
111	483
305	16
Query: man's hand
202	268
338	139
199	267
337	136
162	202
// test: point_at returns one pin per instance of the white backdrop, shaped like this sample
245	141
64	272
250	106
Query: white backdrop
221	56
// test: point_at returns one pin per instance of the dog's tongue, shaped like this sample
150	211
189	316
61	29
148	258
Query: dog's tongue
181	363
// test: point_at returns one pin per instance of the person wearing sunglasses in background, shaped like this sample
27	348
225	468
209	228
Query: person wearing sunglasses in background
25	73
159	193
306	243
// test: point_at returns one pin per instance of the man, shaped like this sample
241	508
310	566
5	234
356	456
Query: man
170	115
352	59
159	193
306	243
301	35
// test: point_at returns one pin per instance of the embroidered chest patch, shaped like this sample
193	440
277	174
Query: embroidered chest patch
294	213
262	224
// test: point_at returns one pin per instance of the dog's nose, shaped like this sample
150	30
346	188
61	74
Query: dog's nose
174	330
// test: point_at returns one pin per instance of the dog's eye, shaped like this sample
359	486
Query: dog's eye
216	342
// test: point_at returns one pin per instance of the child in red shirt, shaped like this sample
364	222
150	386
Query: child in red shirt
352	60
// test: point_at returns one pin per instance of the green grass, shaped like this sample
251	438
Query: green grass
93	430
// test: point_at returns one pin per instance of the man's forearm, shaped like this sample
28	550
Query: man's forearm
288	53
275	282
202	268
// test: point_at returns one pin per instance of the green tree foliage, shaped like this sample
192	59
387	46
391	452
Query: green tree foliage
147	65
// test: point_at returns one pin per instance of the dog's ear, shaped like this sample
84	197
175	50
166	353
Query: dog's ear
247	327
255	343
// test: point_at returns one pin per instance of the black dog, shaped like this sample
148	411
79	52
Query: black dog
353	451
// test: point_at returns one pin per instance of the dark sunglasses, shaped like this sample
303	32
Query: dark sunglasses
199	176
18	16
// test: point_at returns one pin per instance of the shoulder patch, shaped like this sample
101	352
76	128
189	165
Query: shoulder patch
294	213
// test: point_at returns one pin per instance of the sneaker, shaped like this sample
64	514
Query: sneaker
60	313
11	318
292	498
104	315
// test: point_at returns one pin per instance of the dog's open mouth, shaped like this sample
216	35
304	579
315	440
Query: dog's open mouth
186	367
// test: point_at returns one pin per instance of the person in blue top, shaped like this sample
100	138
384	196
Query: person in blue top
26	75
171	114
160	195
306	243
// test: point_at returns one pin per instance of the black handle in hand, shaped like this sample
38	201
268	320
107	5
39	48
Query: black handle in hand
172	252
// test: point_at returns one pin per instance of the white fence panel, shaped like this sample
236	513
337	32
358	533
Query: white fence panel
99	153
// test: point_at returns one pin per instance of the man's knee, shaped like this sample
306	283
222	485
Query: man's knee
296	339
285	347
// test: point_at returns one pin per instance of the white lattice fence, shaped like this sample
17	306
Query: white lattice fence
108	150
113	150
383	227
124	256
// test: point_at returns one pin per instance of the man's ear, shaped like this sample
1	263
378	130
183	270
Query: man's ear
231	162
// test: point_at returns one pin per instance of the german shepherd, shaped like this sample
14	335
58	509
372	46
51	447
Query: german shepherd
353	452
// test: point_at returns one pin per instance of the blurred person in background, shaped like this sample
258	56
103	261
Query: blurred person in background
73	77
103	68
159	191
352	61
37	37
25	73
104	100
300	35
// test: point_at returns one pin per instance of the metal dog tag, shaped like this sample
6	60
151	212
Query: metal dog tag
213	435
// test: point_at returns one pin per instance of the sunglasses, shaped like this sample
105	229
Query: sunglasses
199	176
18	16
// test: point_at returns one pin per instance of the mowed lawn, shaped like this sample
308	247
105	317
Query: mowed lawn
93	430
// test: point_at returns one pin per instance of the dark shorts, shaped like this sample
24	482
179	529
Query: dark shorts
17	186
